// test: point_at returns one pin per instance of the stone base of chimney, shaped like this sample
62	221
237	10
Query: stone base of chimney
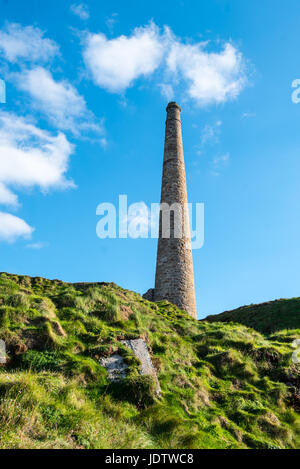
149	295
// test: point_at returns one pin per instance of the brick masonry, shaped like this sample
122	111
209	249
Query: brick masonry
174	279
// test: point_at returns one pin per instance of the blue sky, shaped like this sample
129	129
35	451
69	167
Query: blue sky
87	85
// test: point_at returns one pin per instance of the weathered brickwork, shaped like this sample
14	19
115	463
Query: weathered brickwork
174	279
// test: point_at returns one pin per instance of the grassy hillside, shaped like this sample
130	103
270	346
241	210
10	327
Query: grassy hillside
223	385
265	317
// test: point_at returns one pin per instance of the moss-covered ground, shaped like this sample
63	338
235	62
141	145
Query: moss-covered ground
223	385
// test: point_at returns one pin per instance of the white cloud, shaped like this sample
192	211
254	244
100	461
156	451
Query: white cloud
25	42
12	227
190	70
116	63
81	10
210	77
59	100
30	156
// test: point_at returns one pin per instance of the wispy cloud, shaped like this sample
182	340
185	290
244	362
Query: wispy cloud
37	246
7	197
81	10
248	114
26	43
218	163
210	133
111	21
167	91
58	100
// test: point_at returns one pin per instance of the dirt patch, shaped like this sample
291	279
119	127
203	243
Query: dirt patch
125	312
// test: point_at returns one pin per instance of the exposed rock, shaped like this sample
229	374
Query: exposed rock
140	349
115	366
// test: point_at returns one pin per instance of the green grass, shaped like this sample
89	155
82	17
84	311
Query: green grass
223	385
265	317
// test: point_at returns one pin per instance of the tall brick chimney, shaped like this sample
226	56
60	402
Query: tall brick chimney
174	279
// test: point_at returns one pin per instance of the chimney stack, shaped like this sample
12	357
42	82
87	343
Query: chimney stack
174	279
